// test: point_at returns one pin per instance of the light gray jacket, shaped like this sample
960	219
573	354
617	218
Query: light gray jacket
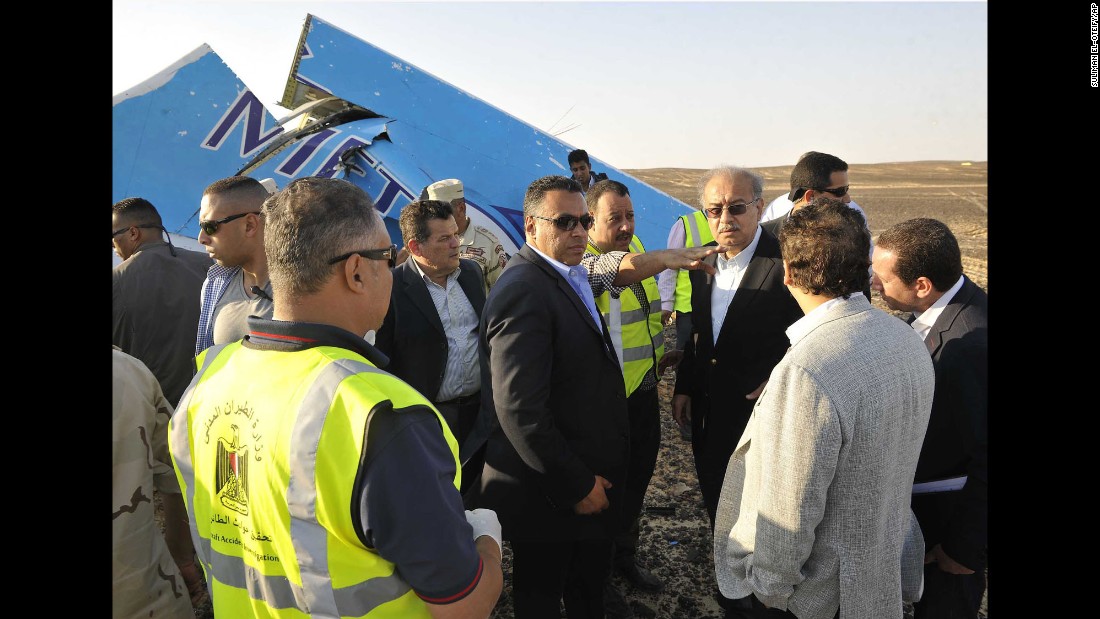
814	512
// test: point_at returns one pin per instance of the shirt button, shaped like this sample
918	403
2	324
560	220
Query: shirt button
714	362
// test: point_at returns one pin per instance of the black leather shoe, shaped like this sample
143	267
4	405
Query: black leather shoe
641	578
614	604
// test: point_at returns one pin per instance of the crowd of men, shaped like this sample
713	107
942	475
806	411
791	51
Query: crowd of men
356	429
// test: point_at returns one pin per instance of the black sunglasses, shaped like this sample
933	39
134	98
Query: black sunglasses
388	253
568	222
211	226
121	230
714	212
838	191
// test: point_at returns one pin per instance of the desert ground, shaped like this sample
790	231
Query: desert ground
677	547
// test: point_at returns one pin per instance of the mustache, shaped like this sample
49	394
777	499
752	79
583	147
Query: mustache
623	237
731	227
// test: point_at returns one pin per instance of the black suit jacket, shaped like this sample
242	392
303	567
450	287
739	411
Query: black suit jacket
412	335
773	226
957	441
751	341
554	404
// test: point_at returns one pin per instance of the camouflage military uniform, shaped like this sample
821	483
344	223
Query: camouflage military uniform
482	246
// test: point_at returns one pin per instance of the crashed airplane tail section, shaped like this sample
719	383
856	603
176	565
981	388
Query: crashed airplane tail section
360	114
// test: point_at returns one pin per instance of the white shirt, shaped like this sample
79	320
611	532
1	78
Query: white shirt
726	280
577	276
462	373
807	323
782	205
666	280
923	322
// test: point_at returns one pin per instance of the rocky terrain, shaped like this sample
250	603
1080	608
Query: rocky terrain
677	545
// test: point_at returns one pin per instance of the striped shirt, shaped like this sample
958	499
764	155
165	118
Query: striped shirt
217	280
462	374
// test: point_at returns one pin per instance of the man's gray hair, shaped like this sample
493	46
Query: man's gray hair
730	172
309	222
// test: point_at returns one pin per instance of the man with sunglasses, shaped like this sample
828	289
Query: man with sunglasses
814	520
554	405
155	298
231	226
430	330
782	205
816	175
318	483
740	316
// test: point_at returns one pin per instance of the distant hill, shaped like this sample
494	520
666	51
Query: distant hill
681	182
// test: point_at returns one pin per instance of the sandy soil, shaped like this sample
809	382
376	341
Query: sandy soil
677	547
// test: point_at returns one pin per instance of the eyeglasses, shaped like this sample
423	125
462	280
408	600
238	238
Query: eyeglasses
121	230
714	212
388	253
836	191
211	226
569	222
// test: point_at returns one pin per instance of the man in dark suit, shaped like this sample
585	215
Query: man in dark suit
917	268
431	329
555	461
739	321
558	436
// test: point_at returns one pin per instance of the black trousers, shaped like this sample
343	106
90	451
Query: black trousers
645	441
715	431
545	573
460	414
950	596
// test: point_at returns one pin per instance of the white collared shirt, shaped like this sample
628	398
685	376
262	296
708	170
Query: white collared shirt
726	280
462	373
922	323
804	325
577	276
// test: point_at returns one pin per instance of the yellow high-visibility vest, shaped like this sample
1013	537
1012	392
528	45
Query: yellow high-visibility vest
268	472
643	335
696	233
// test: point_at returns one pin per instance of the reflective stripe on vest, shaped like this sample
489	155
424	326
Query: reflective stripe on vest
696	234
643	335
339	576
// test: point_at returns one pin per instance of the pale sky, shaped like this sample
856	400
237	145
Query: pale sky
639	84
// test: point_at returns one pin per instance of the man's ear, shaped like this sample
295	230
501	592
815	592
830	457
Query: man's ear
923	287
415	248
786	274
529	226
350	272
